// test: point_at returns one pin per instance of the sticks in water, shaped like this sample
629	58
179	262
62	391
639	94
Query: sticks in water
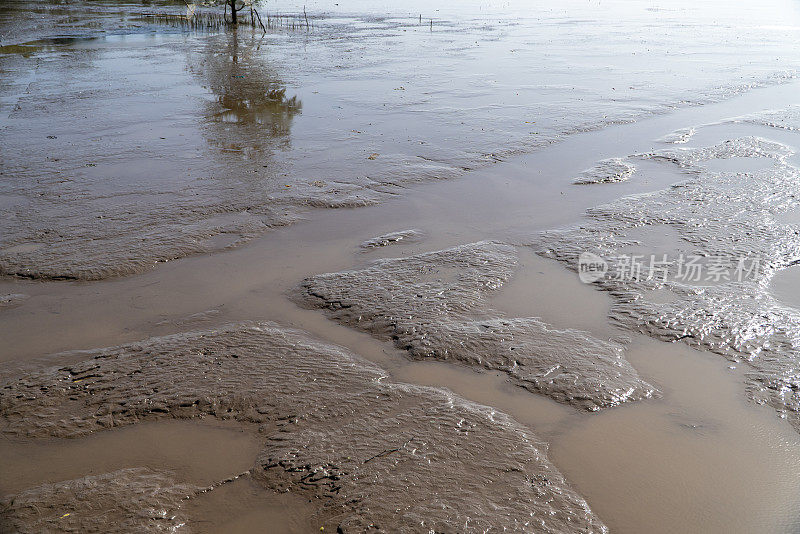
208	20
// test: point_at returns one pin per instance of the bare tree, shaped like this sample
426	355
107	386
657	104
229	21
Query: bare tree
234	9
234	5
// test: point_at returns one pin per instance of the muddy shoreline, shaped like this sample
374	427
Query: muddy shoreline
231	150
193	340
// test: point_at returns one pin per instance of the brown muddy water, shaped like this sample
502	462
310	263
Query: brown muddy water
157	181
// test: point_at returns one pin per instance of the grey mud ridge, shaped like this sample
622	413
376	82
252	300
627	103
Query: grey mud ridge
373	454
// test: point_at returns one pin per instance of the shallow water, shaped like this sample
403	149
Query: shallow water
169	144
252	283
200	453
234	133
786	286
680	454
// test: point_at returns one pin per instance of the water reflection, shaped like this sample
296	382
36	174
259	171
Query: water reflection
250	111
273	109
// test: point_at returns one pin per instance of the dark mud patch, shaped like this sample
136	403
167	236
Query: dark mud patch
370	453
434	306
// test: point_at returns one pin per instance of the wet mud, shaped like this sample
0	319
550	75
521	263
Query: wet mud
394	238
727	217
12	299
128	144
128	500
607	171
679	137
372	453
236	134
434	306
787	118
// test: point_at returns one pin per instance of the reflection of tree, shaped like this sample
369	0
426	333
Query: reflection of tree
272	109
251	111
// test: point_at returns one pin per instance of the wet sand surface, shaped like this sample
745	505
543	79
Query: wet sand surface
696	455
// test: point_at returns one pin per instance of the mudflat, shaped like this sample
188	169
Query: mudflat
466	267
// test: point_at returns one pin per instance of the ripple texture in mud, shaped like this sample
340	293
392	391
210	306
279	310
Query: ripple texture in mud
434	306
128	500
375	455
725	217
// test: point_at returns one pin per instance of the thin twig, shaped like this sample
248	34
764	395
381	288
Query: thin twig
259	21
389	451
